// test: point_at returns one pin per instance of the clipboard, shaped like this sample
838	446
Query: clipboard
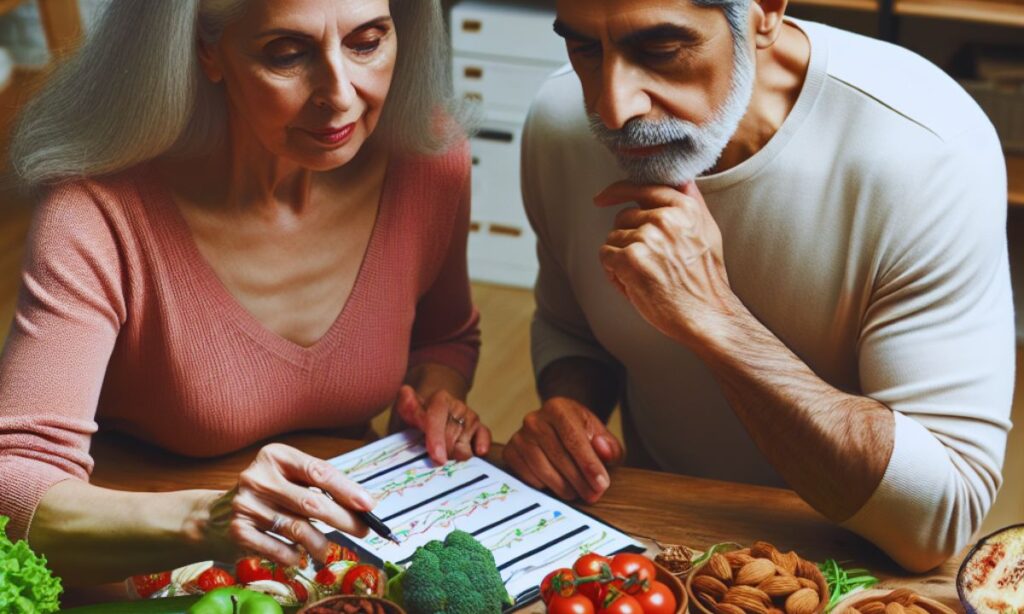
530	532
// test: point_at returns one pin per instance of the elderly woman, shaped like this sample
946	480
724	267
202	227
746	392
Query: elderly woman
255	221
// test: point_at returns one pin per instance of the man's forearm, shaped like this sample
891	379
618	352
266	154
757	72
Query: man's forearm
831	447
591	383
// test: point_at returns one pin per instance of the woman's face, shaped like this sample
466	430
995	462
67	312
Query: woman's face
306	79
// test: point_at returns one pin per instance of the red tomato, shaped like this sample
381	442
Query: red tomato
212	578
561	582
336	552
619	603
590	565
147	584
253	568
633	572
365	581
326	577
300	591
658	600
576	604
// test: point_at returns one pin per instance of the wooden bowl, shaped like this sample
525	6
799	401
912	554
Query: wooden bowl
806	569
859	598
665	577
389	607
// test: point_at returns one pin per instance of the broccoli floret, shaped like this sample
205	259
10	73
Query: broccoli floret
457	576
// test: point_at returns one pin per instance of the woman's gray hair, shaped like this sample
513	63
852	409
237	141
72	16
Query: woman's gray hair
135	91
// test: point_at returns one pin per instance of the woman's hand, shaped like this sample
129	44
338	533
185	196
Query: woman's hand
274	496
452	429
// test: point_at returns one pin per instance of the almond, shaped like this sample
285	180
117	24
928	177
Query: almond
709	585
749	592
776	611
916	609
748	598
789	561
782	571
805	569
755	572
903	596
803	601
718	567
894	607
779	586
728	608
852	610
707	601
762	550
807	583
738	559
872	607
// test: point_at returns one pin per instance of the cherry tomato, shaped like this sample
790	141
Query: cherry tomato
616	602
633	572
337	552
253	568
561	582
658	600
365	581
590	565
576	604
212	578
300	591
147	584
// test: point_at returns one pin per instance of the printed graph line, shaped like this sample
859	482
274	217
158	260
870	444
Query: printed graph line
534	526
384	472
380	457
436	497
510	517
414	478
544	547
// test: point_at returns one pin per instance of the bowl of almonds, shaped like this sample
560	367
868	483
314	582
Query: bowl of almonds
757	580
887	601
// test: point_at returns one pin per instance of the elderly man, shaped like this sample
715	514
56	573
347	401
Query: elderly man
803	279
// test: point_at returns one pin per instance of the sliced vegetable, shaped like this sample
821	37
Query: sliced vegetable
991	577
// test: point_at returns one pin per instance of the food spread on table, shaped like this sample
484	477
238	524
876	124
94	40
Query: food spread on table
474	540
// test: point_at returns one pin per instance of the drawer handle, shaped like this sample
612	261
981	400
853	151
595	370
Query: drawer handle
476	161
474	227
496	135
473	96
508	231
473	72
471	25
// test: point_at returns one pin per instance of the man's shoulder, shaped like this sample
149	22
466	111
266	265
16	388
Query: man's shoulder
894	81
558	110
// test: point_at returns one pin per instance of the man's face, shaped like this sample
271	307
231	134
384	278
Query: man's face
662	80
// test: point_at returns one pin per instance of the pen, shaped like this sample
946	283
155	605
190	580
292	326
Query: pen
378	526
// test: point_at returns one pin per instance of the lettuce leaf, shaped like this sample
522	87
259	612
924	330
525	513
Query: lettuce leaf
26	585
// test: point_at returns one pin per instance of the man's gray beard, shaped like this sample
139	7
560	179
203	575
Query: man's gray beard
688	149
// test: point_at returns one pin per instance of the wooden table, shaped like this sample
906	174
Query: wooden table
670	508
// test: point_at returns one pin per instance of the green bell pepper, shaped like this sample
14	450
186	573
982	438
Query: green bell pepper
235	600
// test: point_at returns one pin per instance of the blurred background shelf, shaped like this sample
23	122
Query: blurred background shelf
1015	179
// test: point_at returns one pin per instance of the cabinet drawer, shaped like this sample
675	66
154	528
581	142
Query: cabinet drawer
498	86
514	32
496	195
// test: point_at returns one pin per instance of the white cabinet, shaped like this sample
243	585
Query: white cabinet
502	53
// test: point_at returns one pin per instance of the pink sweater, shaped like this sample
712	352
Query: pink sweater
122	323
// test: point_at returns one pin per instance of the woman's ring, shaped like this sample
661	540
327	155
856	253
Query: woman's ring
279	522
460	421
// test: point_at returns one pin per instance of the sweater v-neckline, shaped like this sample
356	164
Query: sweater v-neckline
202	276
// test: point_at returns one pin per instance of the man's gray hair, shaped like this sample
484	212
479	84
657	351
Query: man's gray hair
135	91
737	13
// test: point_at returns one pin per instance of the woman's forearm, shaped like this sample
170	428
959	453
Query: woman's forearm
93	535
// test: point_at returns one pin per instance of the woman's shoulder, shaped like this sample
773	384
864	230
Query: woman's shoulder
443	172
90	206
